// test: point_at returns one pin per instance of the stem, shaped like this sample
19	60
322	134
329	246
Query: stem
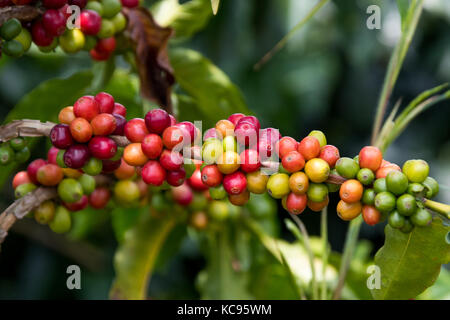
305	238
349	248
441	208
395	63
324	236
286	38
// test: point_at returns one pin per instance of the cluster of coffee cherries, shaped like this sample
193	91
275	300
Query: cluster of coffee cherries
95	29
380	189
15	150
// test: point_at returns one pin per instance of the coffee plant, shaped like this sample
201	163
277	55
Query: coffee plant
149	167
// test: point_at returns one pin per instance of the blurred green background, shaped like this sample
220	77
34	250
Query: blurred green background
328	77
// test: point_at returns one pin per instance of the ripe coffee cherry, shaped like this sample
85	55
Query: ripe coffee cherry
225	128
351	191
102	147
134	155
246	133
153	173
278	185
298	183
119	109
320	136
76	156
174	136
40	36
49	175
120	125
251	119
86	107
45	212
195	181
171	160
317	170
54	22
21	177
210	133
239	199
108	166
330	154
79	205
293	162
347	167
125	171
157	120
33	168
318	206
99	56
267	142
106	46
371	215
130	3
70	190
250	160
182	195
295	203
135	130
99	198
384	171
152	146
81	130
211	176
235	117
54	4
286	145
66	115
189	128
103	124
370	157
90	22
309	147
348	211
416	170
235	183
105	102
52	155
176	178
79	3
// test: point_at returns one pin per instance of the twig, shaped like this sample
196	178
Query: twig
23	13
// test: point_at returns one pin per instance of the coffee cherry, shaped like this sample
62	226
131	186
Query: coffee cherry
369	197
87	183
6	154
351	191
52	155
99	56
416	170
211	176
210	133
153	173
54	4
23	189
45	212
62	221
320	136
421	217
66	115
380	185
249	160
10	29
212	150
225	128
293	161
76	156
105	102
195	181
152	146
54	22
295	203
431	186
130	3
49	175
99	198
135	130
217	193
385	201
348	211
286	145
406	205
80	3
246	133
50	48
18	143
21	177
23	155
133	155
61	137
86	107
157	120
70	190
176	178
126	192
72	41
407	227
198	220
33	168
81	130
396	182
103	124
13	48
317	170
120	22
110	165
93	166
235	183
415	188
239	199
267	142
317	192
229	162
190	131
257	182
95	6
278	185
309	148
24	38
171	160
102	147
90	22
330	154
40	36
111	8
182	195
298	183
120	125
396	220
384	171
365	176
371	215
119	109
79	205
72	173
347	167
60	159
318	206
370	157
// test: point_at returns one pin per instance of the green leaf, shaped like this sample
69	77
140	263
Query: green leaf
213	95
410	263
135	258
186	19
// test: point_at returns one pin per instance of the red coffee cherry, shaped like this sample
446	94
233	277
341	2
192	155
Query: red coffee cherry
173	121
153	173
49	175
157	120
176	178
66	115
99	56
119	109
61	137
174	136
105	102
52	154
39	35
182	195
250	160
86	107
246	133
235	117
371	215
21	177
309	147
103	124
189	128
210	133
76	156
267	142
235	183
135	130
77	206
79	3
152	146
171	160
130	3
251	119
90	22
81	130
293	162
33	168
211	175
330	154
195	181
54	4
296	203
99	198
286	145
120	124
102	148
125	171
54	22
106	45
65	12
370	157
109	166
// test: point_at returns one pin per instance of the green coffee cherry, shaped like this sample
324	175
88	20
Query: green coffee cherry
106	29
70	190
365	176
218	193
319	135
62	221
45	212
281	169
126	192
72	41
278	185
18	143
369	197
380	185
356	159
230	144
93	167
415	188
407	227
396	182
416	170
87	183
396	220
23	189
10	29
95	6
385	201
13	48
421	217
431	186
317	192
6	154
120	22
406	205
211	151
218	210
111	8
347	167
23	155
24	38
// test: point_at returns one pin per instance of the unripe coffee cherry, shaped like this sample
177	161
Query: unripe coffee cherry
45	212
239	199
351	191
133	155
70	190
371	215
62	222
348	211
66	115
278	185
318	206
